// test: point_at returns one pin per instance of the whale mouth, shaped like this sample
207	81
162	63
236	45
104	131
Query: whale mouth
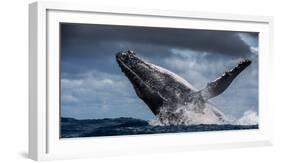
126	69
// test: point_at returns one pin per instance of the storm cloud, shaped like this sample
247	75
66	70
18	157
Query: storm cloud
79	36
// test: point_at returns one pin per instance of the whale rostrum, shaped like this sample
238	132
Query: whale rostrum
161	89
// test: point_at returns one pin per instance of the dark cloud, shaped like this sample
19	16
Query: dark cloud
84	38
254	35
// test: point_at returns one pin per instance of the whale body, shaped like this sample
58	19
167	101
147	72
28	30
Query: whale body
170	97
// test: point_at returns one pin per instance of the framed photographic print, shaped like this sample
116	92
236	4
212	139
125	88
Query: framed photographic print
109	81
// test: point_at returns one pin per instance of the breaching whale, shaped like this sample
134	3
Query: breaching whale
171	98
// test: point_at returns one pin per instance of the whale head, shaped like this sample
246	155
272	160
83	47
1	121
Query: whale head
133	67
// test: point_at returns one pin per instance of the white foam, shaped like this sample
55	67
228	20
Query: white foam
188	115
249	118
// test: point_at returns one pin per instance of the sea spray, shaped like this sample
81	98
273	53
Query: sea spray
249	118
190	115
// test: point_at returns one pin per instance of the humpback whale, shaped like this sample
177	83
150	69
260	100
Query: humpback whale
171	98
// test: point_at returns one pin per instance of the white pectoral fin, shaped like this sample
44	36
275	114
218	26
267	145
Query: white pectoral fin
219	85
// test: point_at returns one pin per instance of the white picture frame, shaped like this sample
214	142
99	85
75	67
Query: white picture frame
44	141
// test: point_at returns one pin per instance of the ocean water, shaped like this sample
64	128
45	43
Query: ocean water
73	128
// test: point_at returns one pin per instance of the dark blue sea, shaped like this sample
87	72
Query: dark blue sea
73	128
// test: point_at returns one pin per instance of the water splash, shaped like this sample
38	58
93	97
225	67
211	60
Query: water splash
249	118
191	115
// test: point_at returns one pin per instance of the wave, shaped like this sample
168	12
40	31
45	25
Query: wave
73	128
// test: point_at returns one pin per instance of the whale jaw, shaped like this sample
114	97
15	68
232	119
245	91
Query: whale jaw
134	69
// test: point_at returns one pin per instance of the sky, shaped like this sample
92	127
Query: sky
93	86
